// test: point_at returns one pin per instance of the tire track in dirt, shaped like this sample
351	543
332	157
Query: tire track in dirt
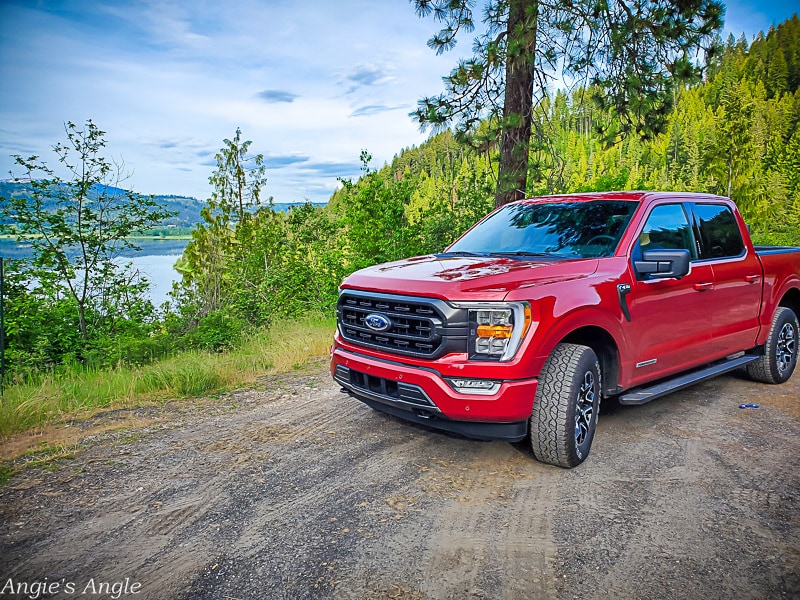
299	491
176	506
665	513
494	525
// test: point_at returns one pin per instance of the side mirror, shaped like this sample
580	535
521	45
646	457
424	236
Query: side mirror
663	264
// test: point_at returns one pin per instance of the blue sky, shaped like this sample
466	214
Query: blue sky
311	83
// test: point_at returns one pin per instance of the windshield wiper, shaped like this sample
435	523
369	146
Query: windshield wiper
522	253
460	253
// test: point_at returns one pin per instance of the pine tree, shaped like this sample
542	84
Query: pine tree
633	50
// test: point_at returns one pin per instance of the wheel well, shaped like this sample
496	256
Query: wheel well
607	352
791	299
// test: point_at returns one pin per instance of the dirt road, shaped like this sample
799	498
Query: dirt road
298	491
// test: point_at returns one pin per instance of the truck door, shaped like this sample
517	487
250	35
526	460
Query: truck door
737	278
670	327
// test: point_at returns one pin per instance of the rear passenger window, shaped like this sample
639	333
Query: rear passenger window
719	233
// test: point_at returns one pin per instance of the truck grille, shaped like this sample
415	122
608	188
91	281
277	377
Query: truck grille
422	327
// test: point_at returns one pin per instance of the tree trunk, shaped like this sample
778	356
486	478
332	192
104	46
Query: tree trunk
82	321
730	172
518	105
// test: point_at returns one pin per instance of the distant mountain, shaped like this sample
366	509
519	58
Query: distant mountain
187	208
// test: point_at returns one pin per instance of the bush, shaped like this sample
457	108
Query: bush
217	331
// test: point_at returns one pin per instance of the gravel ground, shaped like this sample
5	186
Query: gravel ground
296	490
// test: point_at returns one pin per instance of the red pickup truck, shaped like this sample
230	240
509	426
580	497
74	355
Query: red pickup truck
548	305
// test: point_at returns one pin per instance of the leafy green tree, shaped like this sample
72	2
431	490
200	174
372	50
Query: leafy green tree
76	227
633	50
306	263
41	331
223	238
372	214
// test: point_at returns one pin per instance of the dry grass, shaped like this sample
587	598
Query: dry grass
281	348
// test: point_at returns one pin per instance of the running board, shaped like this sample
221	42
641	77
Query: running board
643	395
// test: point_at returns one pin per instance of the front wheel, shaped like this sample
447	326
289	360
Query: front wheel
565	409
780	352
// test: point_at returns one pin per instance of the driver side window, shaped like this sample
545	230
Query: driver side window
667	228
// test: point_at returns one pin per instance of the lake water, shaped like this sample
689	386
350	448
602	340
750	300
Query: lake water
160	272
156	261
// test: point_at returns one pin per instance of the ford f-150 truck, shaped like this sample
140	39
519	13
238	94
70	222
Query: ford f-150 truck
548	305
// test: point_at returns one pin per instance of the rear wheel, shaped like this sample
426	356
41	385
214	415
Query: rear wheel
565	409
780	351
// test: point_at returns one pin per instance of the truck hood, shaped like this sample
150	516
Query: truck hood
466	277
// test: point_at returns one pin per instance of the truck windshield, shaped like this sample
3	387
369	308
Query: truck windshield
560	230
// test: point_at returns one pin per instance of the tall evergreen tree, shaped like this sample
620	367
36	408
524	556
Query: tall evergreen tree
633	50
777	74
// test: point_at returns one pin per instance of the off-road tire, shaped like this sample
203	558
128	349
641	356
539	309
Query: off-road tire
566	406
780	352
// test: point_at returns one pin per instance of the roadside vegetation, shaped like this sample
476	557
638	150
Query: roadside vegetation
259	287
63	393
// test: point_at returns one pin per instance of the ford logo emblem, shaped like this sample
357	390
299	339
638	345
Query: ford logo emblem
377	322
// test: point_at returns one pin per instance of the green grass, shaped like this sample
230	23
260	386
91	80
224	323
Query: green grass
48	456
43	456
6	471
281	348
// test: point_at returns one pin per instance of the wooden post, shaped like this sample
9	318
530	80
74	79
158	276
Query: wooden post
2	329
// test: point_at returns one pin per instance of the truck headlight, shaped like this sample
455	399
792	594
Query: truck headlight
496	329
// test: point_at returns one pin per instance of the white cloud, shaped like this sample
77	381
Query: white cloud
310	83
169	81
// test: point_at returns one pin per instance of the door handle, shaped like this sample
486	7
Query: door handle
702	287
752	278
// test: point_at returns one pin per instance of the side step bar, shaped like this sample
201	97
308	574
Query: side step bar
645	394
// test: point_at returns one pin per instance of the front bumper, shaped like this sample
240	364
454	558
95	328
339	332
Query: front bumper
421	395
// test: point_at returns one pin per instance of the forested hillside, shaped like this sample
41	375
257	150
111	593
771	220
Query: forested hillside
733	133
185	209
